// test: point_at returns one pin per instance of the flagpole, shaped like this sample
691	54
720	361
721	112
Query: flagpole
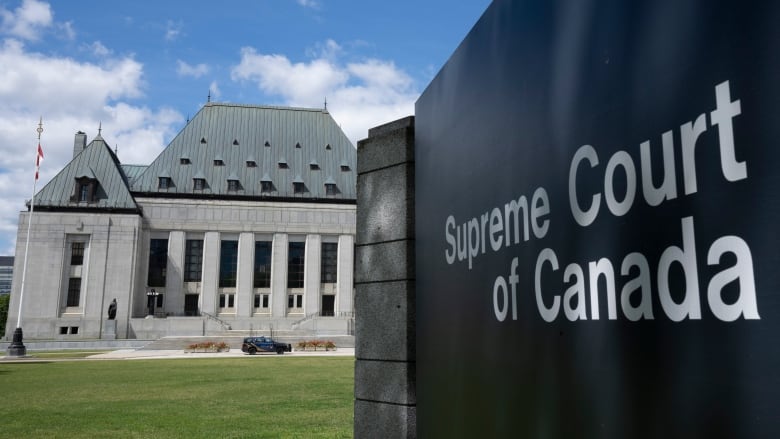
17	347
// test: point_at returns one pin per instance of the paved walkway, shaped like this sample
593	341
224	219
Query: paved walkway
137	354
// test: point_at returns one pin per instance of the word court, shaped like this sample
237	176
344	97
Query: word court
574	289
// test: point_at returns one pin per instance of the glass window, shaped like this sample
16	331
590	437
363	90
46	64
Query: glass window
228	264
329	258
77	253
74	291
158	262
295	264
193	260
262	264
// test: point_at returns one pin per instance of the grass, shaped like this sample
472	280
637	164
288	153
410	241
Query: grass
63	354
246	397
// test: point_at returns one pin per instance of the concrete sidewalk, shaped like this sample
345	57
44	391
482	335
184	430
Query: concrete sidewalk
142	354
135	354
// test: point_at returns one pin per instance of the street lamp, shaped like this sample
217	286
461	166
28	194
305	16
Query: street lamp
151	298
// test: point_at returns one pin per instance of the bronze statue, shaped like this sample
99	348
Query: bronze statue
112	310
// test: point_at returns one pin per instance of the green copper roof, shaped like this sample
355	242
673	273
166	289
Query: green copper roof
95	163
251	144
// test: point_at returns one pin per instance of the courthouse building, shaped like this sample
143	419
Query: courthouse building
244	222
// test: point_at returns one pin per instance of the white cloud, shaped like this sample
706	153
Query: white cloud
214	91
314	4
28	20
98	49
360	95
196	71
173	30
67	30
70	96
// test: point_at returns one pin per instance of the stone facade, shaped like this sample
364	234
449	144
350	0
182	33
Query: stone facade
182	262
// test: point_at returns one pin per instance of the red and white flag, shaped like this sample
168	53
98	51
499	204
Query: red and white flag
38	161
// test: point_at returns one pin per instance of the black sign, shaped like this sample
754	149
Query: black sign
598	201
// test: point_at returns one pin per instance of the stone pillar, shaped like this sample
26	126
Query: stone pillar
174	278
344	281
312	278
210	273
246	265
385	356
279	249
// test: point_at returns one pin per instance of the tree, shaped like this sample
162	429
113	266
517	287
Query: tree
5	300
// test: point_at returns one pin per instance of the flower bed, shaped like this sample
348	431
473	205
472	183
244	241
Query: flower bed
207	346
313	345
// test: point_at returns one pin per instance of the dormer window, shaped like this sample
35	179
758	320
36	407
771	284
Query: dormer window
164	182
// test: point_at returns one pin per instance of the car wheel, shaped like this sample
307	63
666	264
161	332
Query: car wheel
280	350
252	350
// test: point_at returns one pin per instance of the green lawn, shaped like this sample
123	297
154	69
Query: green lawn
267	396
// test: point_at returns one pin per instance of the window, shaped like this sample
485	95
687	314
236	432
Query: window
261	301
198	184
219	162
228	263
227	300
74	291
329	258
295	264
266	186
84	192
233	185
193	260
77	253
295	301
158	262
164	183
262	264
299	188
331	189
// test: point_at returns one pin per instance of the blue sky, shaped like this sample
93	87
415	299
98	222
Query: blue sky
141	68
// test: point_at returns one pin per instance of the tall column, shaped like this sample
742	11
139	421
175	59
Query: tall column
210	273
246	252
174	277
344	281
311	279
279	250
385	354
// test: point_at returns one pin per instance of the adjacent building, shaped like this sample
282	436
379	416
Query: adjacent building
245	221
6	273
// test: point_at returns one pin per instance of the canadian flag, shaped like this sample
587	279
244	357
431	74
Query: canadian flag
38	161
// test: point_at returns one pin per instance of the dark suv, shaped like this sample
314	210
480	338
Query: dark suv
253	345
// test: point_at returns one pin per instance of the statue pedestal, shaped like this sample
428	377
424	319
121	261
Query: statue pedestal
109	330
